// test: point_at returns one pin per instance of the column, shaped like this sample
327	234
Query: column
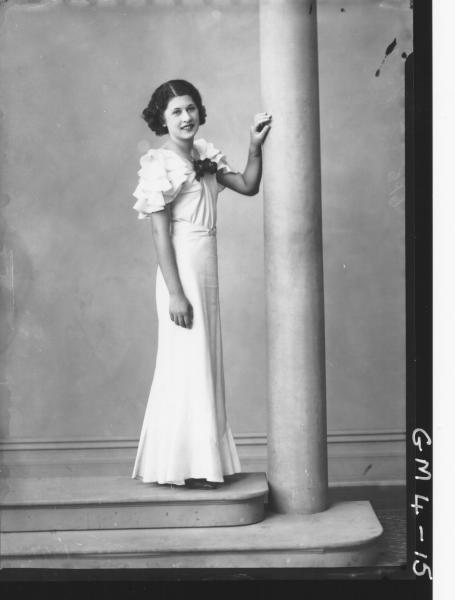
297	431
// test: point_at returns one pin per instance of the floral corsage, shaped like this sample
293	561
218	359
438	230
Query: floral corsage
202	166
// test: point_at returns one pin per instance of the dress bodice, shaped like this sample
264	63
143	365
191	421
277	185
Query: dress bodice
167	178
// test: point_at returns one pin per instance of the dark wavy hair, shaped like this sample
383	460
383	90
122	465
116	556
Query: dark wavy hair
153	114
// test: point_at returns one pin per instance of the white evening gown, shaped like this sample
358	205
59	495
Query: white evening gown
185	433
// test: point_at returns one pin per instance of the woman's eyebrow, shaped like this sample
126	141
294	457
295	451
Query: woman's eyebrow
192	105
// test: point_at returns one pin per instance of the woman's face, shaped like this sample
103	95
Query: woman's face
182	118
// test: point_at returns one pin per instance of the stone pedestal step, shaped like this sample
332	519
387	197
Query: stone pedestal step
84	503
343	535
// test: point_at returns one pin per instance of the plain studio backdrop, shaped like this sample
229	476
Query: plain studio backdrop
77	280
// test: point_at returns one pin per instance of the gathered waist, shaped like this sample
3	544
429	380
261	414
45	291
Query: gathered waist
185	228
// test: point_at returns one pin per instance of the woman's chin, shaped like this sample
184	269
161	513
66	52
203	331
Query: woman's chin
184	134
189	133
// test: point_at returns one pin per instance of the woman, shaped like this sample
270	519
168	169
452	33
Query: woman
185	437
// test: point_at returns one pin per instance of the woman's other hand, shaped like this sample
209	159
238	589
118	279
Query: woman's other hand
260	128
180	310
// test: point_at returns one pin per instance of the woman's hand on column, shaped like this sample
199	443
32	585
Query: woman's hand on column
260	128
180	310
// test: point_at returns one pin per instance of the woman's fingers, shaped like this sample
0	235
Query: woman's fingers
181	311
263	124
190	316
183	320
260	121
261	117
263	133
175	317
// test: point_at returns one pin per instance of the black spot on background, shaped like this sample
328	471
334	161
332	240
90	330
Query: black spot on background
368	467
391	47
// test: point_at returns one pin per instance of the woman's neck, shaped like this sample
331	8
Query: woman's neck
182	147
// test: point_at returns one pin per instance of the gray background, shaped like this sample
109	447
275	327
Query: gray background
78	325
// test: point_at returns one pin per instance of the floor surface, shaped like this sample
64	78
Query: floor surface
389	504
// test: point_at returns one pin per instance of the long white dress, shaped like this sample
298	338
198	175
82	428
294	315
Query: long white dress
185	433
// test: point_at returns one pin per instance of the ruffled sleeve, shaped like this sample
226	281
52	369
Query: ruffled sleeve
157	187
208	150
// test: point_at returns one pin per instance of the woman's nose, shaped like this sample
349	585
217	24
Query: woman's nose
185	115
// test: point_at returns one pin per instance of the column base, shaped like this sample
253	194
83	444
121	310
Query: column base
345	535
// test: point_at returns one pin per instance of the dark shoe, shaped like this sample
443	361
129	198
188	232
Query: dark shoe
200	484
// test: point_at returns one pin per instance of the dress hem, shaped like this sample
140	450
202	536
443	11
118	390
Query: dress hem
181	482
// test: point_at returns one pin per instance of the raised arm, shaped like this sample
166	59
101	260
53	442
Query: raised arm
248	182
180	309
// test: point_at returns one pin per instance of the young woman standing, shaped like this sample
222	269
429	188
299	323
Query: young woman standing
185	437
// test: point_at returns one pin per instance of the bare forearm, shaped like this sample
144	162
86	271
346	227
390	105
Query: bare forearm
180	309
248	182
253	170
166	260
